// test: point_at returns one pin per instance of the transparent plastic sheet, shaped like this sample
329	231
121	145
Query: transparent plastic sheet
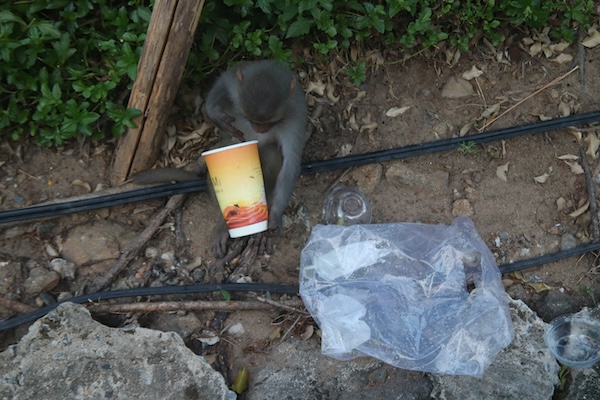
399	293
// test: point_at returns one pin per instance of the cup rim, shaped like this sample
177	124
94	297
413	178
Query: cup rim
231	146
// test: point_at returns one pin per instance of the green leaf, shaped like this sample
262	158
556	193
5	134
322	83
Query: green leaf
298	28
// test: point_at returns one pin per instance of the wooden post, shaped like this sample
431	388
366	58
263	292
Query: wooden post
166	49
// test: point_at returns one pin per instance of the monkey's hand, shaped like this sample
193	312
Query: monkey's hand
223	121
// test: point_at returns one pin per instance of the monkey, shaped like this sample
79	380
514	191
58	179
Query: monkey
262	101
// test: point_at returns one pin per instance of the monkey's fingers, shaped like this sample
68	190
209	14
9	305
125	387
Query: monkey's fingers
266	245
235	131
218	243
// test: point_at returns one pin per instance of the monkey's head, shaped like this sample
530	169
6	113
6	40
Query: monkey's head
266	90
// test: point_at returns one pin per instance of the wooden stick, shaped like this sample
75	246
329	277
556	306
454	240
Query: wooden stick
15	305
589	180
167	306
509	109
281	305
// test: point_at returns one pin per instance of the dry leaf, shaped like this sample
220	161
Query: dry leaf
592	40
575	167
541	287
580	210
275	334
308	332
559	47
577	134
535	49
561	203
316	87
472	74
563	58
369	127
330	95
491	110
80	183
501	172
527	41
592	142
542	178
571	157
395	111
564	109
465	129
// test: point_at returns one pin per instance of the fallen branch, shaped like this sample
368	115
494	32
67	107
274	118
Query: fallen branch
165	306
134	247
281	305
16	306
589	181
509	109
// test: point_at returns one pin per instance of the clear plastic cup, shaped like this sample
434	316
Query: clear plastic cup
346	206
574	340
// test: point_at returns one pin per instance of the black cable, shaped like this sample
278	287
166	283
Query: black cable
49	210
156	291
548	258
93	203
449	144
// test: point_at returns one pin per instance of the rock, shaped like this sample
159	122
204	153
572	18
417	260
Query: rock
585	385
11	283
65	269
296	369
183	324
40	280
586	382
462	207
367	177
101	240
568	241
524	370
556	303
456	88
95	246
68	355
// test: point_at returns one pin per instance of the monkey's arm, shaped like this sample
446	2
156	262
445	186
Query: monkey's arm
292	146
220	104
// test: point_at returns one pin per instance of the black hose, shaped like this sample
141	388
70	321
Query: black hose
156	291
50	210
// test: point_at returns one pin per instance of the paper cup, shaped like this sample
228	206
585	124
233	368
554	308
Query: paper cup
237	179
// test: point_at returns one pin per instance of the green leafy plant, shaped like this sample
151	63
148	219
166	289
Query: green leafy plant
62	64
468	148
66	66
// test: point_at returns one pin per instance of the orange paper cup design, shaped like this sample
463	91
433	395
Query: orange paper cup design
237	179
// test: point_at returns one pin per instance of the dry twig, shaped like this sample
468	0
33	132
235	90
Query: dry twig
15	305
591	193
281	305
509	109
166	306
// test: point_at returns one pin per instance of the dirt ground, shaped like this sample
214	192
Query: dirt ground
515	215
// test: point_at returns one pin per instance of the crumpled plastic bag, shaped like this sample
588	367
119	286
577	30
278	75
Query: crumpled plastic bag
403	293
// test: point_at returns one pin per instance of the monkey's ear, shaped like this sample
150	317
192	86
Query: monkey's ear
240	75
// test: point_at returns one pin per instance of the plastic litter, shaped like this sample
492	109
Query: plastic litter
419	297
346	206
